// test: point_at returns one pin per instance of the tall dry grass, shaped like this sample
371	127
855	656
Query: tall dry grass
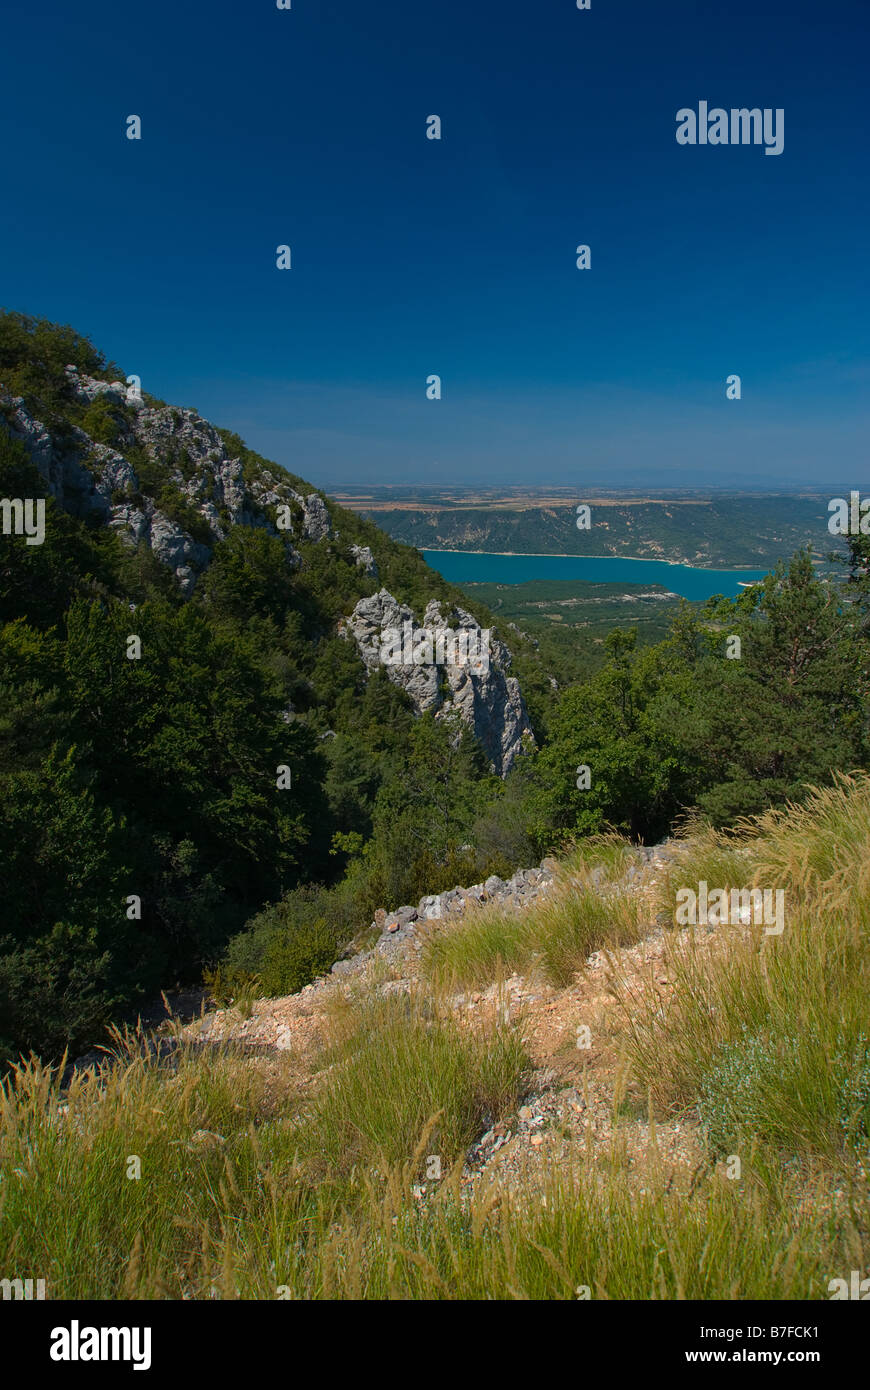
258	1183
768	1034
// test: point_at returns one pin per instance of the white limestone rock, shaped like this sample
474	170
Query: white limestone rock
487	700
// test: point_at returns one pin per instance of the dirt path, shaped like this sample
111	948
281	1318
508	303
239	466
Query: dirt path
577	1104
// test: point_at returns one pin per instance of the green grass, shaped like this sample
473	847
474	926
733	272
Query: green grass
248	1218
488	945
609	852
226	1178
398	1072
554	938
262	1184
709	857
724	1241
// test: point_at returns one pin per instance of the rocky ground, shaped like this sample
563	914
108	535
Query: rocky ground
576	1104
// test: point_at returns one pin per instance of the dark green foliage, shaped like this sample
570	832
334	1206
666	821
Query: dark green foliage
66	945
151	474
156	777
286	946
171	500
620	726
502	832
177	754
37	582
416	807
793	709
34	354
250	573
680	725
104	421
292	961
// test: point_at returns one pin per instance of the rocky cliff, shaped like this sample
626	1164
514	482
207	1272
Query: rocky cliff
85	476
171	481
484	695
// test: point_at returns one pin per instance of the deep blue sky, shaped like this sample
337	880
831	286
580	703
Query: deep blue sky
413	257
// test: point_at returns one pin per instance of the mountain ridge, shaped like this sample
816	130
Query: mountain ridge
188	730
212	482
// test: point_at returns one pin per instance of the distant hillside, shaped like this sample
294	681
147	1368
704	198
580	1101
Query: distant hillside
569	620
739	532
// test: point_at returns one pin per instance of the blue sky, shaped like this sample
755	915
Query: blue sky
411	256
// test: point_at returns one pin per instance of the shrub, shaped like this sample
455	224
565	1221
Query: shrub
770	1085
293	958
853	1113
104	421
742	1085
177	507
286	945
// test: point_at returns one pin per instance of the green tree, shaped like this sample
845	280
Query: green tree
614	726
793	708
69	956
250	573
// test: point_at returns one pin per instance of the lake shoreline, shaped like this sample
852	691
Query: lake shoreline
692	582
572	555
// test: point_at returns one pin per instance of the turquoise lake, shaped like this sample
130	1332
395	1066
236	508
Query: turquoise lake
465	567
